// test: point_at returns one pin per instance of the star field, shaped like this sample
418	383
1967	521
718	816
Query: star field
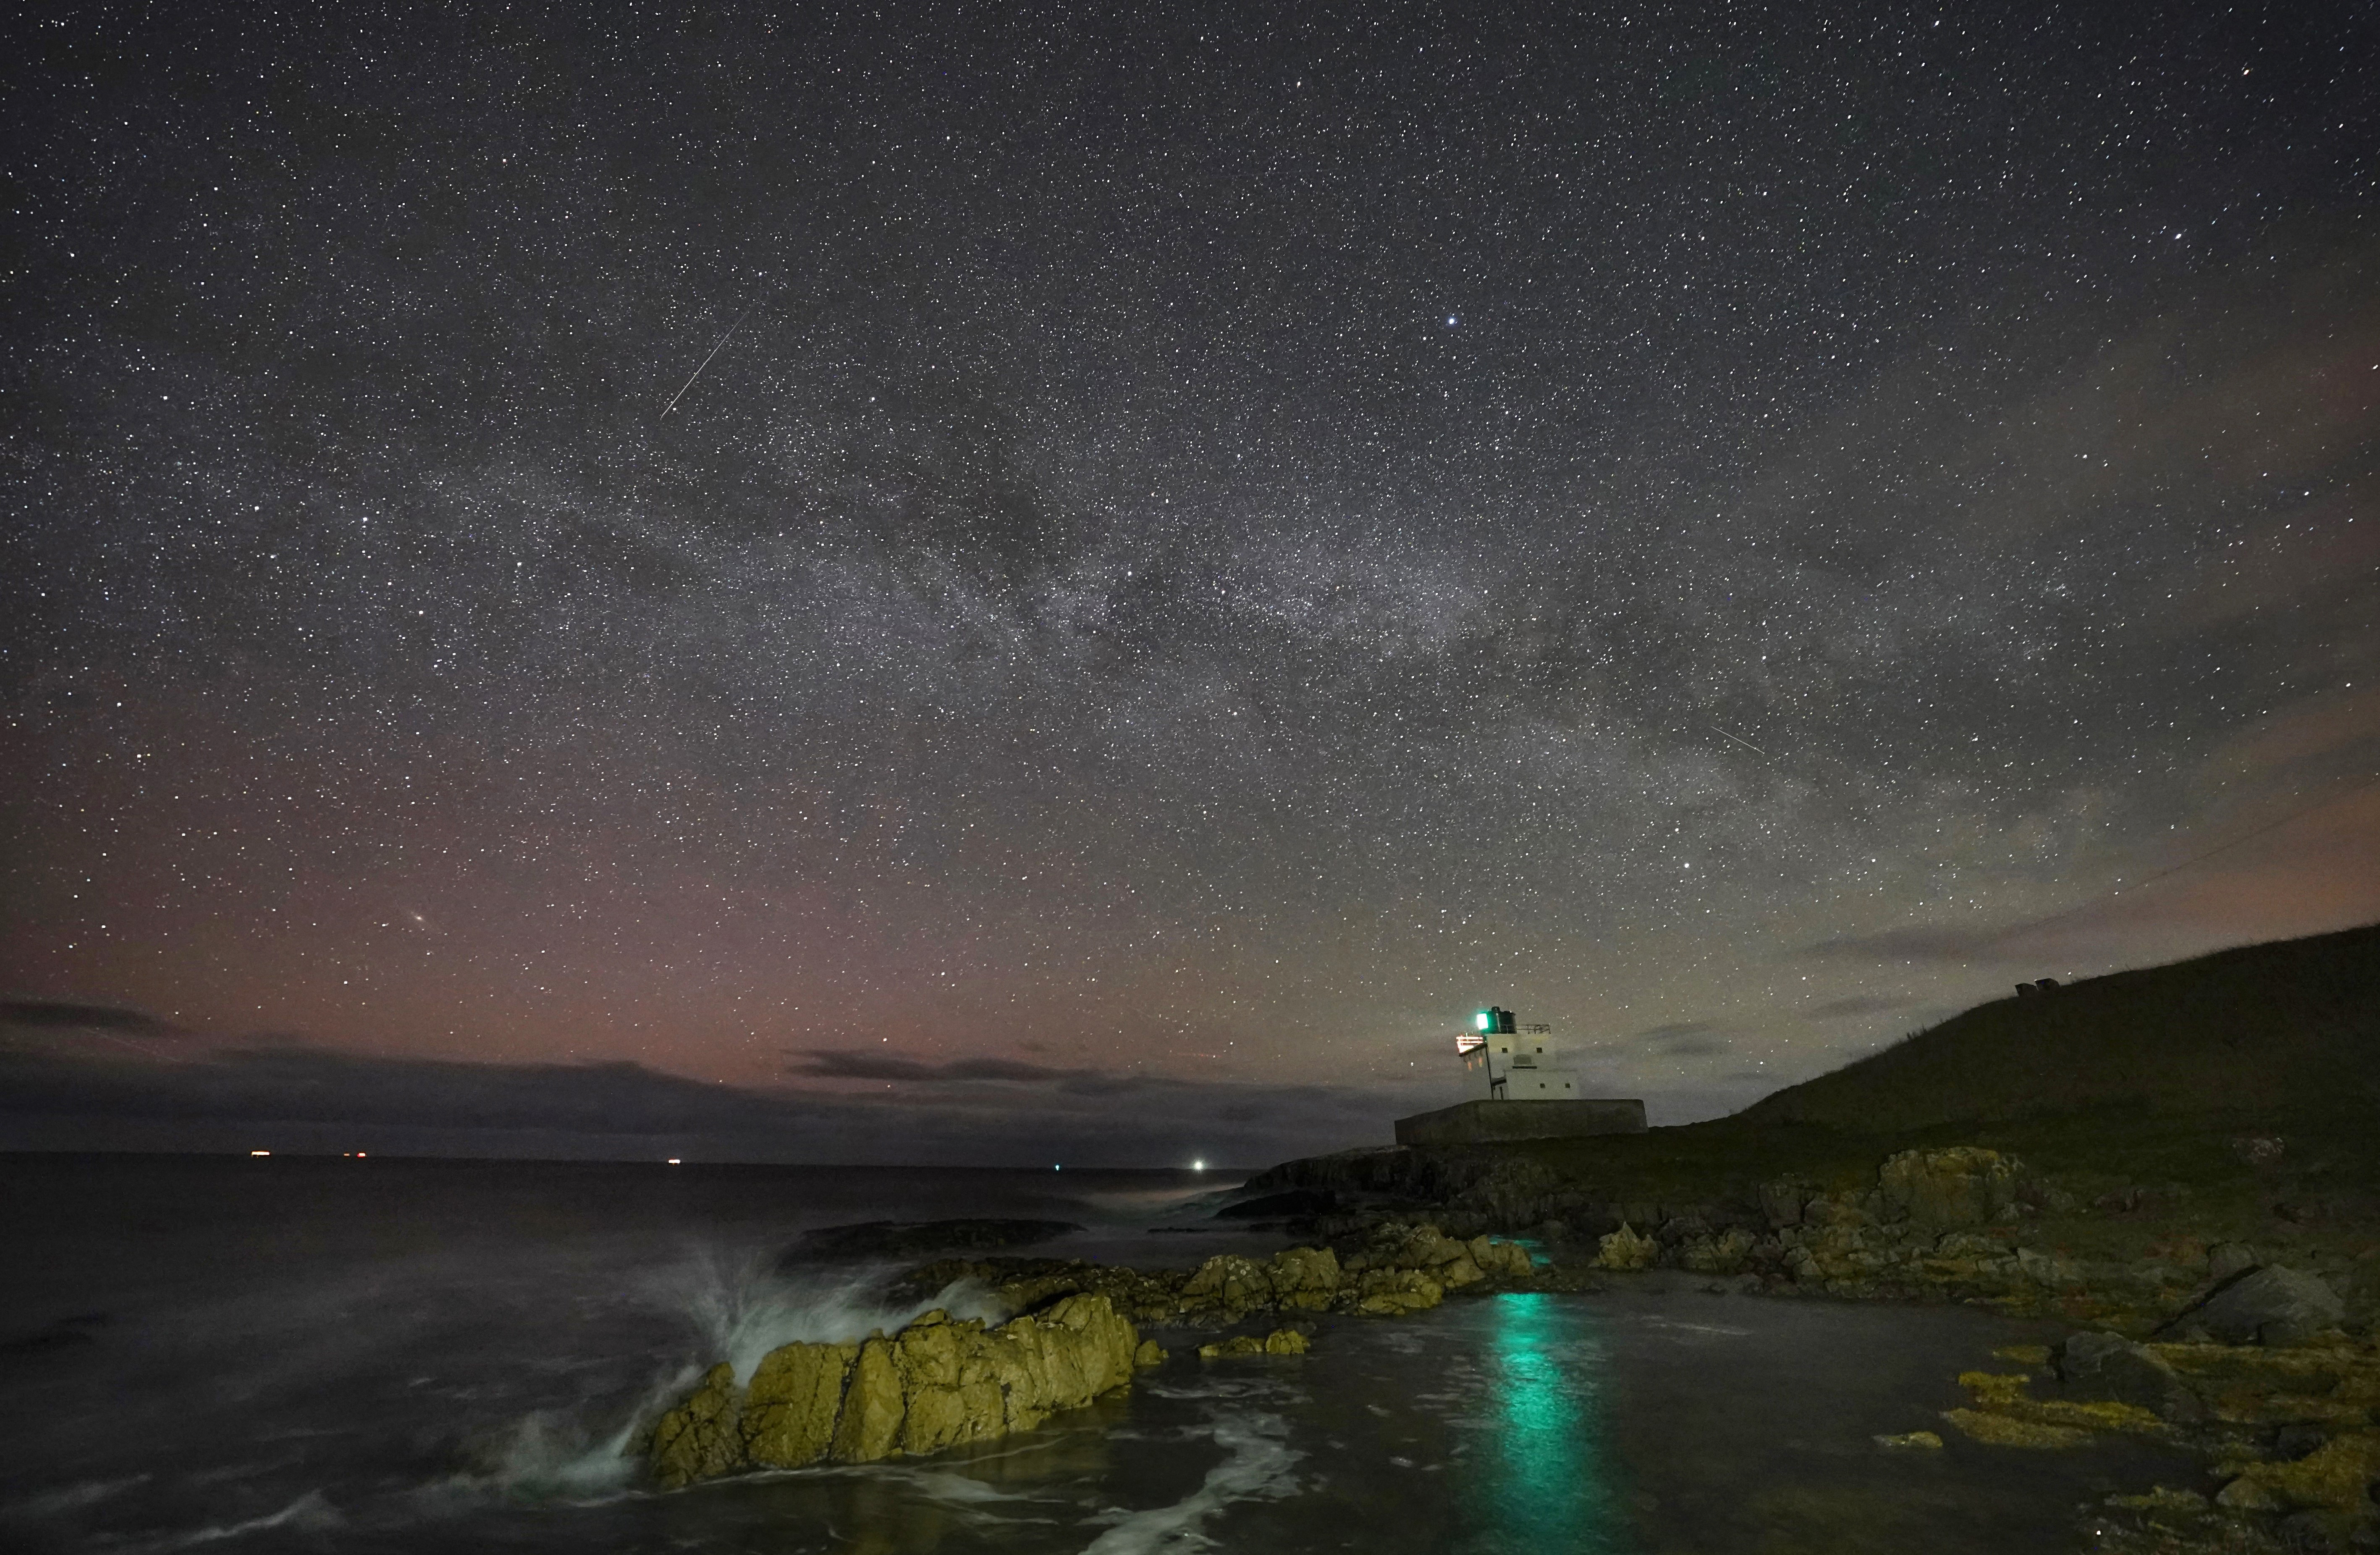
953	583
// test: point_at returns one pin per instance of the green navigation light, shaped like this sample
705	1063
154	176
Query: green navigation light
1483	1020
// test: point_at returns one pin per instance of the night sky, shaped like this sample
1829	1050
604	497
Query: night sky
1010	584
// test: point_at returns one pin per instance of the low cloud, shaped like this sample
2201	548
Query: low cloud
1857	1004
1684	1038
990	1111
47	1015
830	1064
1924	943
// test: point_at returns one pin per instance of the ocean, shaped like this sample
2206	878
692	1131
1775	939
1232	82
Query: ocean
335	1355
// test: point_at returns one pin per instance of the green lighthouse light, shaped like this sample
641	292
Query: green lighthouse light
1483	1020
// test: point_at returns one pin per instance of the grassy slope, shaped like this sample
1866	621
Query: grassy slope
2141	1078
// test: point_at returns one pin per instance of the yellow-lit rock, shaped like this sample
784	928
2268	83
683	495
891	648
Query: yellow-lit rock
1388	1291
2006	1430
1990	1389
1624	1249
870	1423
935	1384
700	1439
2335	1476
790	1407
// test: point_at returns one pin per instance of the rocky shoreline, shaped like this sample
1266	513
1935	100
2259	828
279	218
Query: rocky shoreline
2259	1366
941	1382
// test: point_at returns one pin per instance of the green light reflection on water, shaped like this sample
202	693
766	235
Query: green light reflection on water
1538	1476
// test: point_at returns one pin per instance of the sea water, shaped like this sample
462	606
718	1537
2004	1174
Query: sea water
366	1356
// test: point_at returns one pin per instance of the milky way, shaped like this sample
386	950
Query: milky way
1190	550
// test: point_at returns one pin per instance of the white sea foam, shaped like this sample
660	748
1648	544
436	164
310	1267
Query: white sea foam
745	1308
1259	1464
311	1513
75	1497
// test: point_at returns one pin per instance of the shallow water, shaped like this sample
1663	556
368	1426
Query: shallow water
355	1356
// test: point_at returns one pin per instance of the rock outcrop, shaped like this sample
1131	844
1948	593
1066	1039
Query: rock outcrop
936	1383
1398	1268
2270	1306
2107	1365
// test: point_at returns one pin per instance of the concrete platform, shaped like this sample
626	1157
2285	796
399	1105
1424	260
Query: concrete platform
1474	1123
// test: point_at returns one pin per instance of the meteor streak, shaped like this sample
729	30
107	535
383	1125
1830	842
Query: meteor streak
681	388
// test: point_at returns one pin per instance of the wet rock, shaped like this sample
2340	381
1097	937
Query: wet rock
2006	1430
2226	1259
2335	1477
1280	1342
1305	1276
700	1439
1385	1293
1231	1281
2107	1365
1500	1261
1965	1185
1925	1441
933	1385
1624	1249
1724	1254
2246	1495
1149	1353
872	1406
790	1407
2272	1306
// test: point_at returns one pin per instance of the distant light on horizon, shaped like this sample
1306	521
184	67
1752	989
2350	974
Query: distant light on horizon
259	1152
1199	1165
672	1161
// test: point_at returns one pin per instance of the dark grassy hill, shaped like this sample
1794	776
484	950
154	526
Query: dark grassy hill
2141	1077
2289	1026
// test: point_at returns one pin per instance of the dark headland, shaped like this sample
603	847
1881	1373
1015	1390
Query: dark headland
2182	1162
2174	1171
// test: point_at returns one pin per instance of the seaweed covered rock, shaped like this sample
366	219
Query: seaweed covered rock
935	1384
1965	1185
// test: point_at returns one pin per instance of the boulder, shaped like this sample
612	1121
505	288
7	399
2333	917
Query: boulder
1304	1276
1231	1281
1624	1249
1783	1200
1280	1342
1965	1185
1385	1293
2107	1365
935	1384
1723	1254
1500	1261
2270	1306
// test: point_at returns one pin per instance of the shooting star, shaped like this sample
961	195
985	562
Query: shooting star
1746	744
716	349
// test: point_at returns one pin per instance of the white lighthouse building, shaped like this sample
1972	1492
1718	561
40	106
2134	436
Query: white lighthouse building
1514	1087
1503	1060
